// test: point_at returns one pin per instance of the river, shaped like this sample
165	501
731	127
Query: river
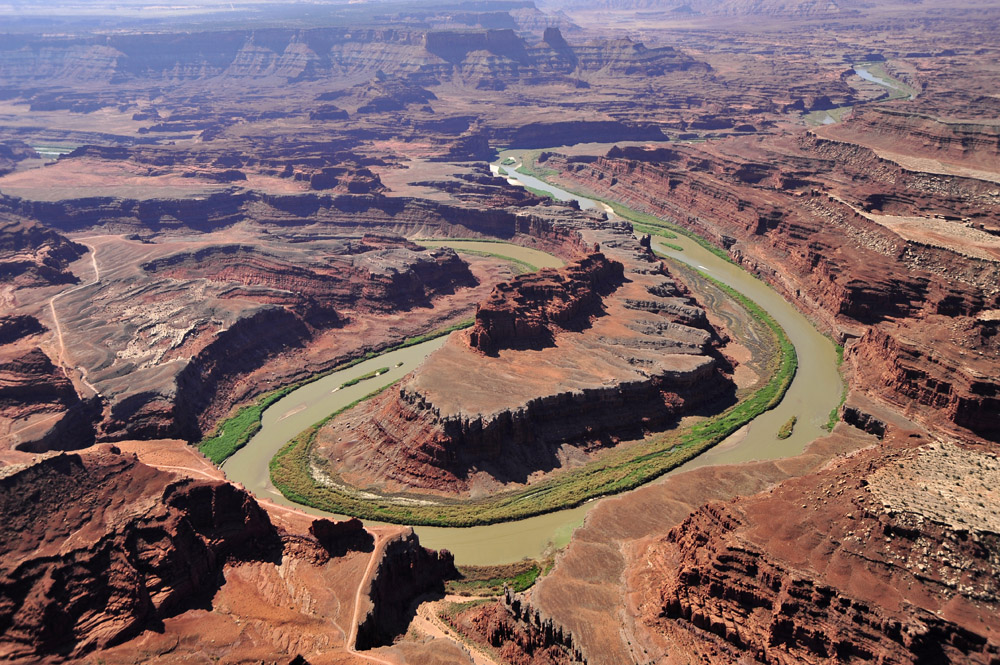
814	392
868	76
532	257
903	90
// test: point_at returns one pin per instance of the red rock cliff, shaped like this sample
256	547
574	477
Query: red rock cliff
527	311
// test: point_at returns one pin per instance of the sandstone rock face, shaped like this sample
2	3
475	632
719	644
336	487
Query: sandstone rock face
96	546
165	337
933	375
13	328
30	383
32	255
530	310
12	152
378	274
786	578
105	557
559	363
968	143
519	634
296	56
39	405
405	572
818	232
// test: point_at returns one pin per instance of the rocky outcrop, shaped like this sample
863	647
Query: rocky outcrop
838	260
545	134
244	346
32	255
336	213
518	633
97	546
961	142
30	383
954	379
528	311
338	538
397	67
802	584
405	571
559	363
103	557
379	273
13	328
12	152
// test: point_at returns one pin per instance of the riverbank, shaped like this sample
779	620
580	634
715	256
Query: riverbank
611	472
531	537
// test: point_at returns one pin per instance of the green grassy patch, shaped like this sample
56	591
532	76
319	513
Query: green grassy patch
491	580
521	266
786	430
658	231
529	166
364	377
541	192
835	412
616	471
235	432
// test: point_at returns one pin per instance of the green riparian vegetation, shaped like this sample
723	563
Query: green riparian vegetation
521	266
541	192
364	377
786	430
616	471
236	431
491	580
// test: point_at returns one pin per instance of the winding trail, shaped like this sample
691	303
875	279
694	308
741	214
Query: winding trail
58	326
61	360
190	470
377	551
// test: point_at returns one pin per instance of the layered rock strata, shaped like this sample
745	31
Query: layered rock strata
909	576
529	311
378	274
133	545
33	255
406	571
105	557
518	633
605	348
900	132
814	233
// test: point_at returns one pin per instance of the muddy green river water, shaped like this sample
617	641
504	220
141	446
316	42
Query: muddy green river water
814	392
532	257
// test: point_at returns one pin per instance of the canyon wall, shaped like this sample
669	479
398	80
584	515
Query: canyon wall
33	255
528	311
785	577
405	572
558	364
133	545
805	229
